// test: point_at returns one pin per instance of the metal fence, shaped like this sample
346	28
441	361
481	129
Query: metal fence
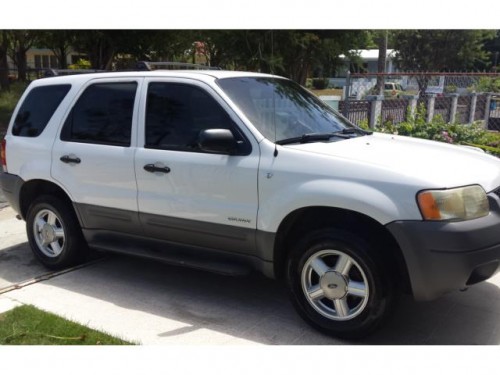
356	111
456	97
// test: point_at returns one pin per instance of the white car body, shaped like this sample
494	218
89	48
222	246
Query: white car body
245	205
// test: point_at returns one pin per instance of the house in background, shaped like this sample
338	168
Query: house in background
41	58
44	58
366	61
363	61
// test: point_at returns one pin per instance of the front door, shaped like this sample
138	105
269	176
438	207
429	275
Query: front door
186	195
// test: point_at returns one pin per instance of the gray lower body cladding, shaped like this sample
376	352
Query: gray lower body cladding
179	241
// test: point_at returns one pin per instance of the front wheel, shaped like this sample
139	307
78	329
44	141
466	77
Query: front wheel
338	285
54	233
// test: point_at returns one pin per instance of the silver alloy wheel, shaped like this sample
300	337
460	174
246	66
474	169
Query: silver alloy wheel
49	234
335	285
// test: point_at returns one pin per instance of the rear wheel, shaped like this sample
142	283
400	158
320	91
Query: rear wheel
54	233
338	285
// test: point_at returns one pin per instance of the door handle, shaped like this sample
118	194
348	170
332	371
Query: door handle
70	159
154	168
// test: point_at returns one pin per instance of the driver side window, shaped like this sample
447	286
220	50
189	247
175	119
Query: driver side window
176	114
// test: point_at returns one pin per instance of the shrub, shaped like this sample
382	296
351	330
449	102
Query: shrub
320	83
450	89
487	84
81	64
439	130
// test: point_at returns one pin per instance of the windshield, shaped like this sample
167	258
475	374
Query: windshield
281	109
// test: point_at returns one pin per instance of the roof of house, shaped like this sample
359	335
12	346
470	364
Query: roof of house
369	54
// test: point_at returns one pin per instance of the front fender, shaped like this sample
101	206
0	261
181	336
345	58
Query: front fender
276	204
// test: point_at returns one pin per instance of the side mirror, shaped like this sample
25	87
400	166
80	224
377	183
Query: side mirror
217	141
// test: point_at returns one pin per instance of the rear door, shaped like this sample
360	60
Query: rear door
202	199
93	156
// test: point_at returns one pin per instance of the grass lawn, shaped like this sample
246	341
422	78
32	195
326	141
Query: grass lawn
326	92
27	325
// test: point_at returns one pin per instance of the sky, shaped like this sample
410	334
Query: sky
262	14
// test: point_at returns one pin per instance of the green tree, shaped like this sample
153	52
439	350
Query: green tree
291	53
493	47
440	50
4	68
98	45
103	47
60	42
341	42
20	42
224	48
152	45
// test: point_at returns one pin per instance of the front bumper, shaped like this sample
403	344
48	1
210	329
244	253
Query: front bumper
445	256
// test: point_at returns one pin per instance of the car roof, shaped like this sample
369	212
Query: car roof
202	75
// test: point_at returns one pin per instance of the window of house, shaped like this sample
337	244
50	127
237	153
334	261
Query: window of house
38	61
45	61
102	115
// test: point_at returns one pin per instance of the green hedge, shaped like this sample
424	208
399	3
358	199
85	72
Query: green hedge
439	130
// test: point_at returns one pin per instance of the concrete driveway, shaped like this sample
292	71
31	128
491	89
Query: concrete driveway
152	303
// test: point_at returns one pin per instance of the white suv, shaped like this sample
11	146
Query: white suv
233	171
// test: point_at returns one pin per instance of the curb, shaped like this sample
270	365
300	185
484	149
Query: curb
7	304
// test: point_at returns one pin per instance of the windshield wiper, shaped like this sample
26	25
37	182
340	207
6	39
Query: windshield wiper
354	131
345	133
312	137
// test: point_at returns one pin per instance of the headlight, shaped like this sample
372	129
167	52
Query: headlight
464	203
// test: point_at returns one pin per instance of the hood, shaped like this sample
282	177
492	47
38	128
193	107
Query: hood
436	164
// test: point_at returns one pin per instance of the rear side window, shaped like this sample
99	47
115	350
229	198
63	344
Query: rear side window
102	115
37	110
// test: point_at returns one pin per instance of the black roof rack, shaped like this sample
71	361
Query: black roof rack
140	65
67	72
164	65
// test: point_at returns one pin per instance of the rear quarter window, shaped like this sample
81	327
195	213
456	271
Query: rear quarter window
37	110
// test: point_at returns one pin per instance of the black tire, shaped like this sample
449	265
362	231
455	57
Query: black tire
72	246
343	315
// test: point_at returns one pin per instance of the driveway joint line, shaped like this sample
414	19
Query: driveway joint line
47	276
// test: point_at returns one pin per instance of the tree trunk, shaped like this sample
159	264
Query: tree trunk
4	68
22	64
302	74
423	83
382	56
4	73
101	55
61	54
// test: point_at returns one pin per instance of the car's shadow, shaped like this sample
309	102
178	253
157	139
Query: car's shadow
17	264
258	310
